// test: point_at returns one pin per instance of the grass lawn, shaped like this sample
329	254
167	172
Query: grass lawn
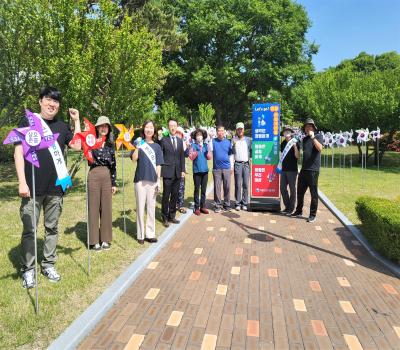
61	303
344	186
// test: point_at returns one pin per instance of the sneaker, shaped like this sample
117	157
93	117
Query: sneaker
296	214
51	273
227	209
105	246
237	208
28	279
96	247
312	218
204	211
151	240
197	212
244	207
217	210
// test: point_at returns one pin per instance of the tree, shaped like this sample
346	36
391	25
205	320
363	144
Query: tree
169	109
206	115
359	93
237	50
100	68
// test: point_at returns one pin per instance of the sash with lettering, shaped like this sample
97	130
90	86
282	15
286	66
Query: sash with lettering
149	152
286	150
63	178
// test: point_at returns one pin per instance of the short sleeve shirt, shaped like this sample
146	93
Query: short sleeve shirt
46	174
311	156
145	170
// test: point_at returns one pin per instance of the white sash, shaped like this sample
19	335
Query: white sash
149	152
286	150
63	178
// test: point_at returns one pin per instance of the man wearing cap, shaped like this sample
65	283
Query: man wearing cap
241	149
308	177
289	170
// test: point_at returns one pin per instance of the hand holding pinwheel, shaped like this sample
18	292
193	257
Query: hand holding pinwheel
89	140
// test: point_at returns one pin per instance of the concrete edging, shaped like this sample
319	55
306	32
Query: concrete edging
87	321
395	269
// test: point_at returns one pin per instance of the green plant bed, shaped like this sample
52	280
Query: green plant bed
381	224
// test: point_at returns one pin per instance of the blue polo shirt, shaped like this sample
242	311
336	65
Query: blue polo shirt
222	150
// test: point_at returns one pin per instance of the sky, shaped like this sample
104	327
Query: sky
344	28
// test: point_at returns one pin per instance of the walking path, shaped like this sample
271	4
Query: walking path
244	280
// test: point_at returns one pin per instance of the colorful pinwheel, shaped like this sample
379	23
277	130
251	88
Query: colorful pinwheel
375	134
363	135
31	137
89	140
125	136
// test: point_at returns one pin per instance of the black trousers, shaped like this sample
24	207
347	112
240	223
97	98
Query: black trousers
200	182
169	197
307	179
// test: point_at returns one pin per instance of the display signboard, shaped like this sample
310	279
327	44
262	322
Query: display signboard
265	156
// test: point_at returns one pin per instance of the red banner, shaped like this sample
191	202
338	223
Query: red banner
264	181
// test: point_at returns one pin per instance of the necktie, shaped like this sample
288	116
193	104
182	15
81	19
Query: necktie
174	142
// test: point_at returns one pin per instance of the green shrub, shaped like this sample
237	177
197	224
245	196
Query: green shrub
6	151
381	224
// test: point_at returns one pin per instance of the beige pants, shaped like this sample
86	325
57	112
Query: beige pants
100	205
145	194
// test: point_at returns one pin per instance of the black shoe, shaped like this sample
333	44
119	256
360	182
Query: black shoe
151	240
174	221
312	218
297	214
140	241
165	223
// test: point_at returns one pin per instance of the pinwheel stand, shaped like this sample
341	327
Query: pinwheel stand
35	237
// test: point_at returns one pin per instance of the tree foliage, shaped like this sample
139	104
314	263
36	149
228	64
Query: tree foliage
101	63
359	93
237	50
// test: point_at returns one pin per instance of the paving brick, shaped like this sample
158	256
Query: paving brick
308	289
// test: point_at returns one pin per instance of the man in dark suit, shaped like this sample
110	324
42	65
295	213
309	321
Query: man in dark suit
172	171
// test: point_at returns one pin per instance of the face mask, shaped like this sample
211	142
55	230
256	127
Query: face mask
199	138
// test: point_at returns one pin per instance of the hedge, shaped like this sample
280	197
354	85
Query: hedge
381	224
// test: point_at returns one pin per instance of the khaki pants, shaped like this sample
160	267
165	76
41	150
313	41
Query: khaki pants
145	194
52	208
100	205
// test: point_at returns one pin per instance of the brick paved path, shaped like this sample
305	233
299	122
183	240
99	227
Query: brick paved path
244	280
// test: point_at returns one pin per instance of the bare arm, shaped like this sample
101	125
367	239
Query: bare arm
23	188
74	114
317	145
135	155
296	151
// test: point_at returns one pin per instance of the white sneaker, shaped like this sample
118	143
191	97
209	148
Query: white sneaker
237	208
28	279
244	207
105	246
51	273
97	247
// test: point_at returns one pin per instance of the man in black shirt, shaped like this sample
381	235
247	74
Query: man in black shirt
51	179
289	172
308	178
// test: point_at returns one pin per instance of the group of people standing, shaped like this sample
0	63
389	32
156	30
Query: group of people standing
155	159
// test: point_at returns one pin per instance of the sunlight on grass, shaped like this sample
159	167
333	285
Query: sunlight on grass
61	303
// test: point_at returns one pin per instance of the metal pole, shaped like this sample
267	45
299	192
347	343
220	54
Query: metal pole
35	237
123	189
87	217
377	140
